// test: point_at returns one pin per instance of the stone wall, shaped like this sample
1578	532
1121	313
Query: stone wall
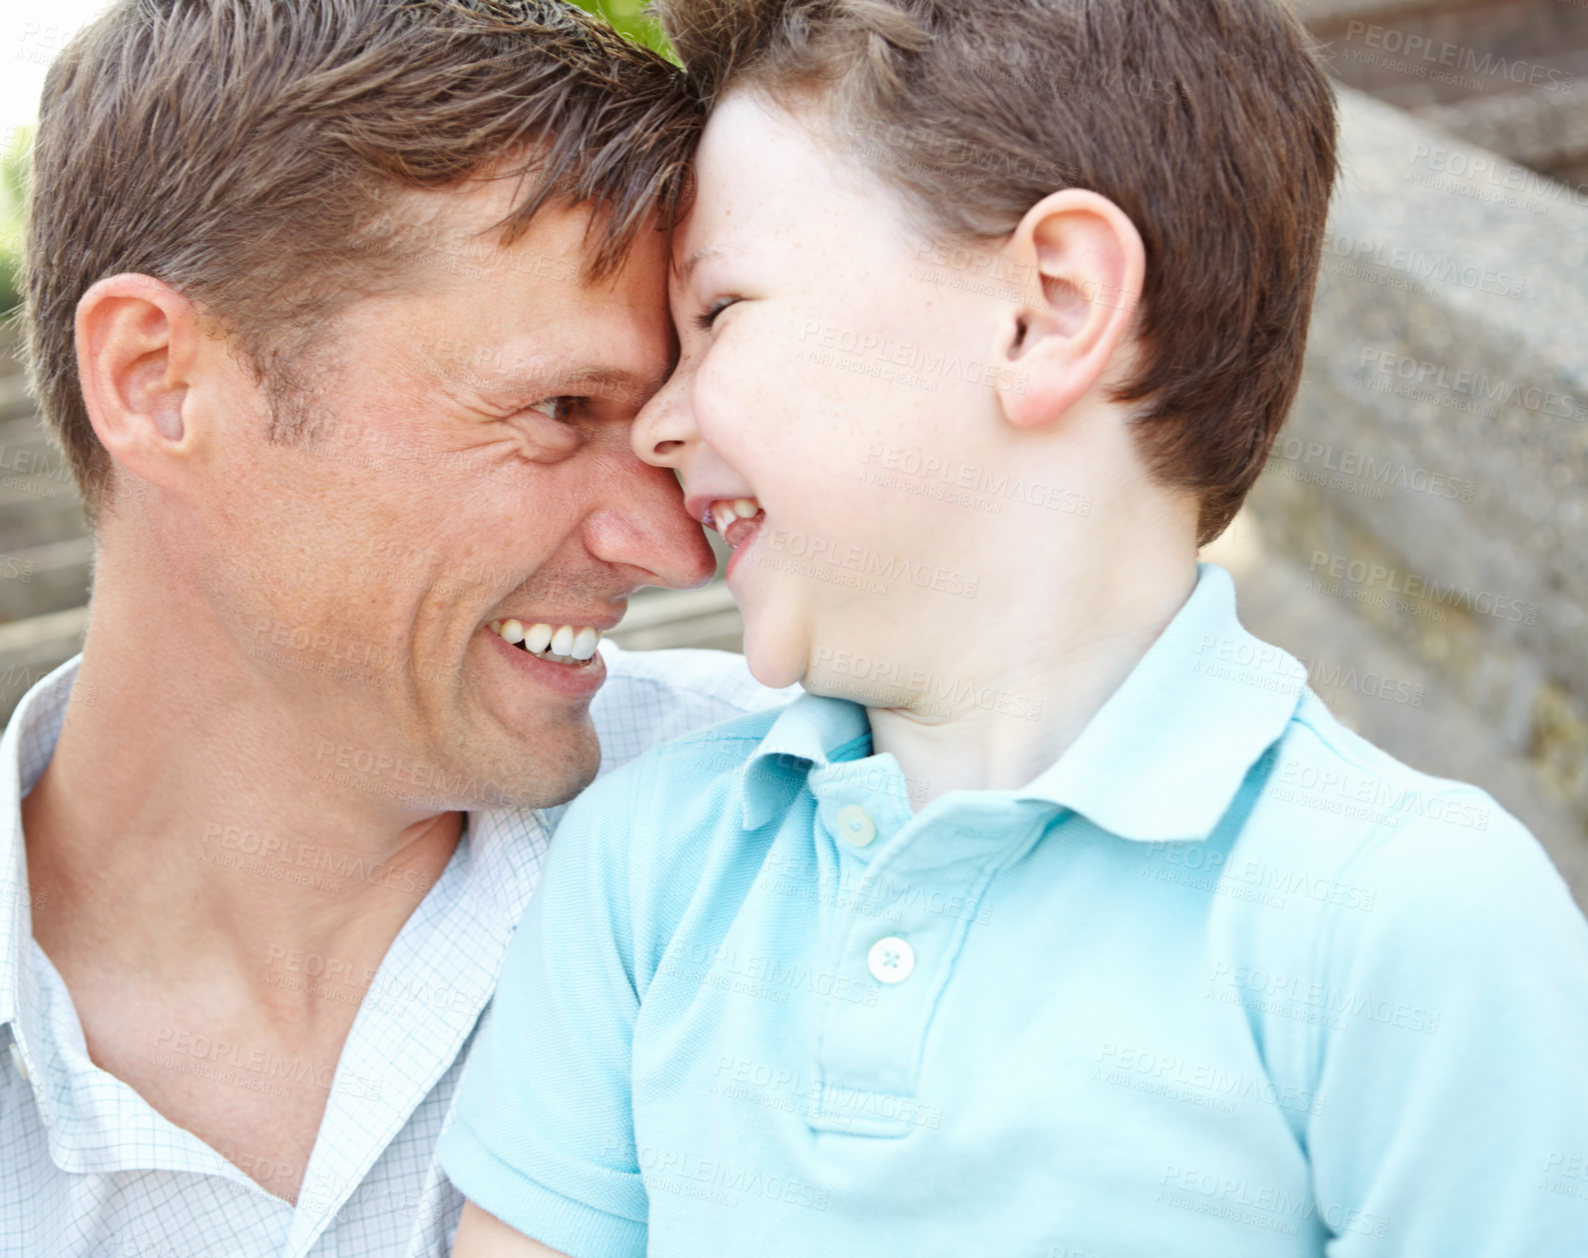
1424	520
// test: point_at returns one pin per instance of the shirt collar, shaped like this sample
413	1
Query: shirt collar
814	730
1161	760
25	749
1165	755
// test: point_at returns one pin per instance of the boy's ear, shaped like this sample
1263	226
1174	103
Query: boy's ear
1090	261
137	343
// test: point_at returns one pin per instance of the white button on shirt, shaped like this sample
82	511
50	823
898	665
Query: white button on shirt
87	1167
855	825
891	960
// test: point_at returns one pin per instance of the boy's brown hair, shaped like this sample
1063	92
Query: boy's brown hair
249	153
1209	122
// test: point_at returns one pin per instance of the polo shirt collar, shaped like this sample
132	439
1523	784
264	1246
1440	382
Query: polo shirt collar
1162	759
1165	755
814	730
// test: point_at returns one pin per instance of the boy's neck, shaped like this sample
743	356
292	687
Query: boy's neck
1070	647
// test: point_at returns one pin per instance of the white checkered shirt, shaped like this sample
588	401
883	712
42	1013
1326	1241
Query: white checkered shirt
87	1167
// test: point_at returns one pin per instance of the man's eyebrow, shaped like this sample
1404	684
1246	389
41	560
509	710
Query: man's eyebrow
607	382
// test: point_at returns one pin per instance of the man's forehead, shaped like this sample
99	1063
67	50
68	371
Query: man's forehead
464	226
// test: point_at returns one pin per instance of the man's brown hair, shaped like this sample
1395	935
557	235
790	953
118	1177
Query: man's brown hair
1209	122
248	153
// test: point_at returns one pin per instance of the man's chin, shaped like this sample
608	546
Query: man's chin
541	772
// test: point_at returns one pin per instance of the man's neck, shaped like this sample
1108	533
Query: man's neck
191	858
197	825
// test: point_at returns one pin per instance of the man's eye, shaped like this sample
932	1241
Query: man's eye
704	320
556	407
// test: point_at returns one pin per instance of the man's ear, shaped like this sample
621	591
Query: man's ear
137	344
1090	261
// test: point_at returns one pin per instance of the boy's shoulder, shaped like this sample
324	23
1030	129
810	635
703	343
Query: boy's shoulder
682	785
1322	763
683	763
1382	858
654	697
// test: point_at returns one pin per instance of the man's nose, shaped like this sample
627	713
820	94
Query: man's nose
644	526
665	427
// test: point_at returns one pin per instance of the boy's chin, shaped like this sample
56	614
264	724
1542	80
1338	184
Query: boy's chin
773	665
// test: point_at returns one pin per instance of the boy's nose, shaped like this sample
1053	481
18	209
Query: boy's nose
665	427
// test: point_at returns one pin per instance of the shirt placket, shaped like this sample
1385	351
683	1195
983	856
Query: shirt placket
908	891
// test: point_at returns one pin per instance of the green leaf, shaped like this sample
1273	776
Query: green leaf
628	16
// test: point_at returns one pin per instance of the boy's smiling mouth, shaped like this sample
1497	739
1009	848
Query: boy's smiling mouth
736	519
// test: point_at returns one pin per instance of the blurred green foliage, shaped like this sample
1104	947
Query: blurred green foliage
628	17
13	195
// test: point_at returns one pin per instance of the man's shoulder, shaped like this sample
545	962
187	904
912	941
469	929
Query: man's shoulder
654	697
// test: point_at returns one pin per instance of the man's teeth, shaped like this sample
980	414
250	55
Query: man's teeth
726	511
565	642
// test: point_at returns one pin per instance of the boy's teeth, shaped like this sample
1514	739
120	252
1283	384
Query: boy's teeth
560	642
725	511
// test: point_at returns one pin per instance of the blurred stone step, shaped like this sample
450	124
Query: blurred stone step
1547	132
36	514
707	617
15	401
31	649
43	579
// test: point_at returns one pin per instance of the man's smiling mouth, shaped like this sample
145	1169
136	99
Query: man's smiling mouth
560	644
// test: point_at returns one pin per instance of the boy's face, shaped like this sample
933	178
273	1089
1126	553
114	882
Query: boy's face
829	374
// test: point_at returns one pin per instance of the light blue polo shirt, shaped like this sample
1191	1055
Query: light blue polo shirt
1225	981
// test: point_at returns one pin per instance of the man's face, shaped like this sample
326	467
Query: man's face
467	463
